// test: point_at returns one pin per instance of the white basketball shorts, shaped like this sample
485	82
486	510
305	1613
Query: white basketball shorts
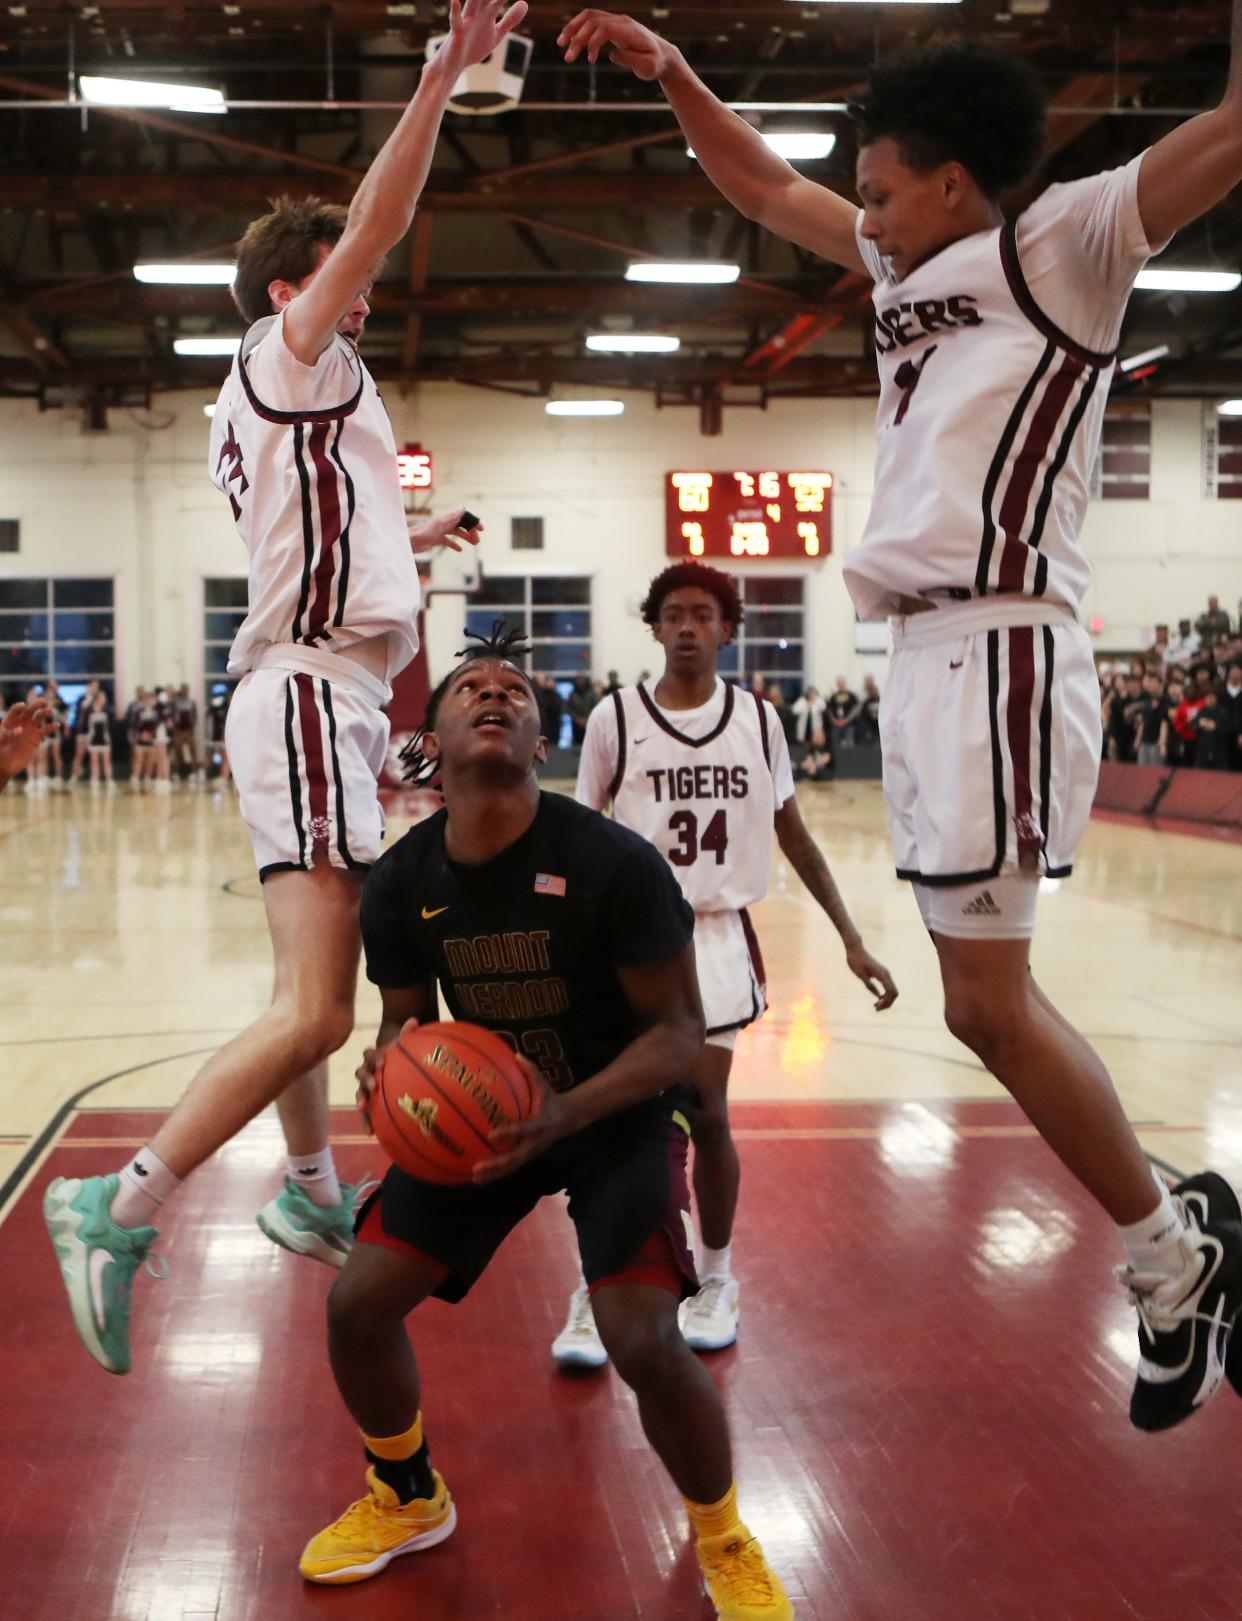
731	977
991	741
306	740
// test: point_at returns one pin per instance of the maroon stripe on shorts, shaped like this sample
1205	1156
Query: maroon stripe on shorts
1017	502
316	775
1018	719
328	496
756	956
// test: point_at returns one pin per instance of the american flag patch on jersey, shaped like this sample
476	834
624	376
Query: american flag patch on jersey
547	884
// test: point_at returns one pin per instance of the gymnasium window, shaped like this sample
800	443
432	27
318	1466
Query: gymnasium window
552	610
62	630
1123	466
1222	456
771	641
224	608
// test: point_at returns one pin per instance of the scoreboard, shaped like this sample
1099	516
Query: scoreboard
748	515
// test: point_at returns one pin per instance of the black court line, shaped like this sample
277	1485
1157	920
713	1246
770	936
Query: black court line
33	1154
127	1035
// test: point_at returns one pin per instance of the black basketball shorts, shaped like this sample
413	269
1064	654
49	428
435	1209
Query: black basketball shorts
626	1181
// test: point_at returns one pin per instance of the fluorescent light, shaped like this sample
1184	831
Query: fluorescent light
1155	280
1229	408
880	2
794	145
632	343
187	275
704	271
205	346
1147	358
182	98
584	408
209	410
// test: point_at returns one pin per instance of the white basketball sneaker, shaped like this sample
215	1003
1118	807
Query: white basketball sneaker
578	1344
709	1319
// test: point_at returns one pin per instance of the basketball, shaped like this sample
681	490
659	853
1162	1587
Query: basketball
442	1089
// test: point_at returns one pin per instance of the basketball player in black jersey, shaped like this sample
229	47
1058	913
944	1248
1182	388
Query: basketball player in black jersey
567	934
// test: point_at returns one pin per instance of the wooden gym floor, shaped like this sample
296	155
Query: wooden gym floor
929	1392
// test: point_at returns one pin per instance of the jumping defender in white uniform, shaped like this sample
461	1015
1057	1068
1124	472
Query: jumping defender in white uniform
701	770
302	447
996	345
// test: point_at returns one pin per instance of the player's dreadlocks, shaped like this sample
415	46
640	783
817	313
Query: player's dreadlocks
505	644
700	576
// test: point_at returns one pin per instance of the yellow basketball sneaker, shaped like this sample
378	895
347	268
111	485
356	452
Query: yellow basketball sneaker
739	1581
374	1530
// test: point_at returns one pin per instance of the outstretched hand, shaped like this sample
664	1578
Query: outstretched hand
476	28
25	729
874	976
628	43
445	530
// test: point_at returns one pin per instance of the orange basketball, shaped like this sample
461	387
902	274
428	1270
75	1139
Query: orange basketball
441	1090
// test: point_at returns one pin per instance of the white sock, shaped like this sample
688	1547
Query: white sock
316	1175
715	1263
1154	1244
145	1183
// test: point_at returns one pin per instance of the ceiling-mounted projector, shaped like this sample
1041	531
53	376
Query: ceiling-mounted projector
494	84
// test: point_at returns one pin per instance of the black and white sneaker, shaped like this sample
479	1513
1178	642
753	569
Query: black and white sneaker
1184	1325
1209	1197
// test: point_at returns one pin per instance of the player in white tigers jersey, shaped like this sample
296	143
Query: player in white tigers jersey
302	447
701	769
995	341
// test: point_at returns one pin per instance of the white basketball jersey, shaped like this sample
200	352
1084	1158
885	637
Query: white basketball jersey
307	459
701	785
990	411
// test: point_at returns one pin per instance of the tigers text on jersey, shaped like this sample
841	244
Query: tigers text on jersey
995	357
703	785
307	459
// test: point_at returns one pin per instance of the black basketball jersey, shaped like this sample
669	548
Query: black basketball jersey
529	943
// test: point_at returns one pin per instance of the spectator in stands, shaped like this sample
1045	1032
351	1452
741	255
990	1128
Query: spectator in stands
784	711
582	701
1122	718
867	726
1179	747
807	717
1212	738
1185	644
1231	703
1214	623
613	684
1150	718
551	709
1159	649
842	713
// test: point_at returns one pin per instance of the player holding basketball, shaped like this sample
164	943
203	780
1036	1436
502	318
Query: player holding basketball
302	446
996	344
566	933
702	770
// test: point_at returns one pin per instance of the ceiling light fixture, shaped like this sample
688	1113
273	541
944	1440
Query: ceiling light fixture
703	272
584	408
1229	408
179	98
1157	280
632	343
205	346
187	275
795	146
1147	358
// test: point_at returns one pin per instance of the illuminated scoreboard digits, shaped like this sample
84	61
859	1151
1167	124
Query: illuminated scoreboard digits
414	470
748	515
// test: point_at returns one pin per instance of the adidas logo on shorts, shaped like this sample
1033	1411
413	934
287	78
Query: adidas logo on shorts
982	906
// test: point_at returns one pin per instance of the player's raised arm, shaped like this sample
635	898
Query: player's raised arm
735	157
1198	164
384	203
24	731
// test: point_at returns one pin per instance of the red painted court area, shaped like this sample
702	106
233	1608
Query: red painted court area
929	1405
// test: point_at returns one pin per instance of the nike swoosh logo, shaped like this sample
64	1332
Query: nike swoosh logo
429	915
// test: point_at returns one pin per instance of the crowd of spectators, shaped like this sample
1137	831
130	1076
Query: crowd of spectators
1180	702
158	737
